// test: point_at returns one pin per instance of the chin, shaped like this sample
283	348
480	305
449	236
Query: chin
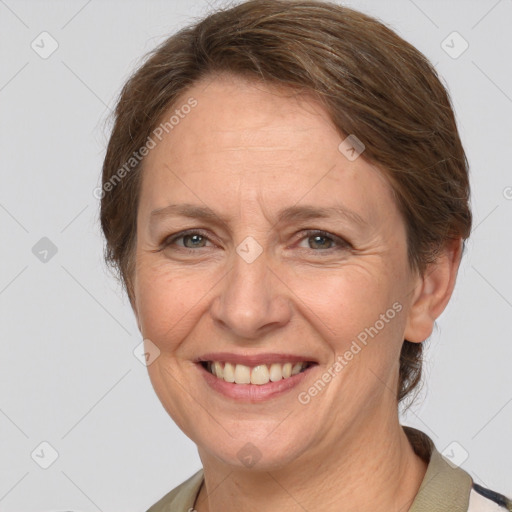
265	452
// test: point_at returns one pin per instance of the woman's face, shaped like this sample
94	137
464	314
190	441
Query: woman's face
261	281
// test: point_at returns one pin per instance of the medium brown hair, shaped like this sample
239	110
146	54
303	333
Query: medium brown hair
373	84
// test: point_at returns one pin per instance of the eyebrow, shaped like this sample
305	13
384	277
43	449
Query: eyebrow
290	214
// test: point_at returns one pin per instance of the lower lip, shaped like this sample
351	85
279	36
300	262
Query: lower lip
253	392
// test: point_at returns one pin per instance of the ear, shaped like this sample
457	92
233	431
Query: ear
432	292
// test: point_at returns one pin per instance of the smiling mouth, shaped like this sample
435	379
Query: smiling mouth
259	375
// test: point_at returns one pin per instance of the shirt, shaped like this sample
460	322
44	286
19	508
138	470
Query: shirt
445	487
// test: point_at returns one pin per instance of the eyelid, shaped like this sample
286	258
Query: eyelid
168	240
341	243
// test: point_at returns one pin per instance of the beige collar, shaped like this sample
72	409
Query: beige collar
444	487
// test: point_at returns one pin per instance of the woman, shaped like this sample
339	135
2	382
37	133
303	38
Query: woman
286	198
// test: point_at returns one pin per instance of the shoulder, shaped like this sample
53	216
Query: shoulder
181	498
482	499
446	487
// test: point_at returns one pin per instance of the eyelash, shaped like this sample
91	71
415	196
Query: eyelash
342	244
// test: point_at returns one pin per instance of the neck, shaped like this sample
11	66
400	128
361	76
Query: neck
374	468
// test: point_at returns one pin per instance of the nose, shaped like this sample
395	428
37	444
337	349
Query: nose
252	301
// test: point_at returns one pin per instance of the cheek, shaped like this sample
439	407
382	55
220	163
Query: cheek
360	317
167	304
344	301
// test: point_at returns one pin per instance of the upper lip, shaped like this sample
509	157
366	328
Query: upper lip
254	359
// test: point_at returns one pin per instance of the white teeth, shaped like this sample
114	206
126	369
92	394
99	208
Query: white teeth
276	372
297	367
261	374
229	372
217	369
242	374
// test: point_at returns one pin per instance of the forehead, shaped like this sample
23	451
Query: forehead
251	139
238	116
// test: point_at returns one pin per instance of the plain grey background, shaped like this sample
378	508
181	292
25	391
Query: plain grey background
68	376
